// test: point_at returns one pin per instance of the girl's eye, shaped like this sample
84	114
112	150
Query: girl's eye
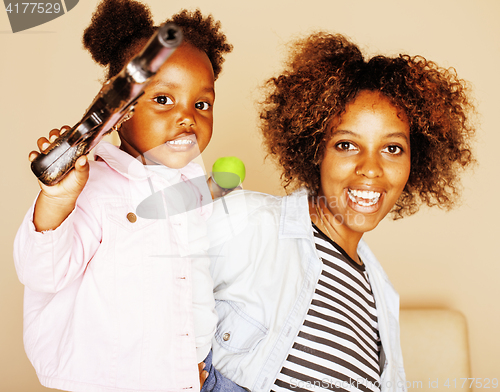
345	146
394	150
202	105
163	100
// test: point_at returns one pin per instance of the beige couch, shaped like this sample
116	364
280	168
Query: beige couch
435	350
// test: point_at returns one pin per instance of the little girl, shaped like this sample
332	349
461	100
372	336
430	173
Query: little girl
115	301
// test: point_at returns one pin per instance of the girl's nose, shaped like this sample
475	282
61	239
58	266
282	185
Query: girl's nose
186	117
369	166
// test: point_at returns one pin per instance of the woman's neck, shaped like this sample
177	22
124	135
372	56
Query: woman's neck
324	220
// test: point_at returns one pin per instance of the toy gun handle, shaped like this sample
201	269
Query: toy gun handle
116	98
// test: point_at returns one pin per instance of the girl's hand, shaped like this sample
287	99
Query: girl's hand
56	202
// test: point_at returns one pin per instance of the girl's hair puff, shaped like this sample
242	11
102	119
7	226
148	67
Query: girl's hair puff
119	28
205	34
325	72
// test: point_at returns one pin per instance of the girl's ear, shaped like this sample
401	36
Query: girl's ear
126	117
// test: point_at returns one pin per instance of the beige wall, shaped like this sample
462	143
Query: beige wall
434	259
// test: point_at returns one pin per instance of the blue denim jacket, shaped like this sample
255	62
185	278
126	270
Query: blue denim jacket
265	269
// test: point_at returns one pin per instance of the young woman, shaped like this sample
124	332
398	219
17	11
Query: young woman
302	302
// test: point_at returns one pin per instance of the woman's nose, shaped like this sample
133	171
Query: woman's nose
369	166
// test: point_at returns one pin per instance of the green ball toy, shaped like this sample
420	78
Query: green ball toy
228	172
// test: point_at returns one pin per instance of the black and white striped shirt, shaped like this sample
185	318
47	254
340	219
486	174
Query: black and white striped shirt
338	346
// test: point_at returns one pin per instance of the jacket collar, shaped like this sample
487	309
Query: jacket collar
121	162
132	168
295	221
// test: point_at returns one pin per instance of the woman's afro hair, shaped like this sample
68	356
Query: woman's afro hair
325	72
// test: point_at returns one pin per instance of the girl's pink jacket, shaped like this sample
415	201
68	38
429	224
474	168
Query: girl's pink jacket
108	296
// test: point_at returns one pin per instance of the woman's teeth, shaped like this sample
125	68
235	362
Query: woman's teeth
363	198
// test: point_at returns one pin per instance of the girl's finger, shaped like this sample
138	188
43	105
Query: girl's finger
54	134
32	155
81	162
42	143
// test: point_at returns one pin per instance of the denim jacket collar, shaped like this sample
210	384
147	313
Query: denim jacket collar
295	221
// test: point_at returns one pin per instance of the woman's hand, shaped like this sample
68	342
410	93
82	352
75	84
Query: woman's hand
203	374
56	202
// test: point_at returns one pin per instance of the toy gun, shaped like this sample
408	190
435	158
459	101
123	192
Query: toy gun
116	98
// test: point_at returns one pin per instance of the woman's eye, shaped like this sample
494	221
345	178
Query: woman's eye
202	105
345	146
163	100
394	150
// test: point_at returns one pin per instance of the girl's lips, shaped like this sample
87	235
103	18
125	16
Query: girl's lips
182	143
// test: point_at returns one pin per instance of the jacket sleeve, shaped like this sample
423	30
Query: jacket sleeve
51	260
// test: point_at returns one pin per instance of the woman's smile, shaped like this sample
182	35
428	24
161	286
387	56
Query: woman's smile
363	198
